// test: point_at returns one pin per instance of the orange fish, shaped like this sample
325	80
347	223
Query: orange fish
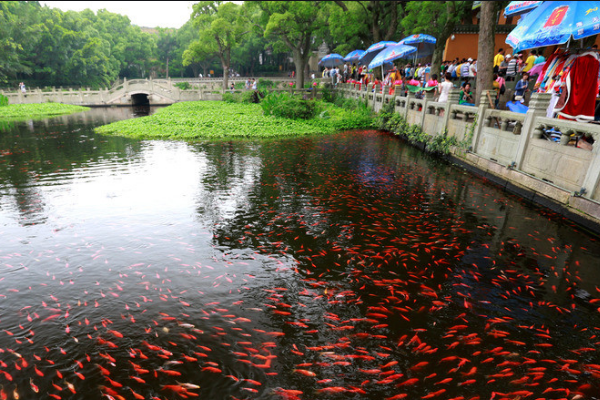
305	372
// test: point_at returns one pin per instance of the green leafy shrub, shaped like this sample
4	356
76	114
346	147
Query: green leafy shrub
248	96
3	100
265	83
441	144
239	85
183	85
231	98
387	111
328	95
286	106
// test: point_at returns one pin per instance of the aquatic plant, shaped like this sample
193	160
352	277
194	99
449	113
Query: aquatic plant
43	110
214	119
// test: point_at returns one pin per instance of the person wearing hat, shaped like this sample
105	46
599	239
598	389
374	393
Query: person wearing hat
465	68
512	69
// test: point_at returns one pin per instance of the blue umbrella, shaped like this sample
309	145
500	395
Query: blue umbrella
354	55
518	7
555	22
425	44
331	60
372	51
392	53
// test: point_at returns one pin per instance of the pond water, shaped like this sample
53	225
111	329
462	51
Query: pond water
346	266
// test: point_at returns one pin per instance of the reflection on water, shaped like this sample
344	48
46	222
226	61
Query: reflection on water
141	110
346	266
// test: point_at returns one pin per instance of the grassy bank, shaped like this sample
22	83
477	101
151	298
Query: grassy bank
15	112
216	119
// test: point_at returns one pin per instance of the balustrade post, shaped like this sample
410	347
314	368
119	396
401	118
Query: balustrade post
427	98
370	92
409	96
453	97
592	176
537	108
480	123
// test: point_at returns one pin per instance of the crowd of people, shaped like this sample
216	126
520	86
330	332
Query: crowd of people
564	74
418	78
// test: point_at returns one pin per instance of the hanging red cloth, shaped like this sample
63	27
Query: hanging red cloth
581	88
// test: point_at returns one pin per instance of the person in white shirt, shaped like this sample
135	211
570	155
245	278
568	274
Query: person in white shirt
444	88
473	69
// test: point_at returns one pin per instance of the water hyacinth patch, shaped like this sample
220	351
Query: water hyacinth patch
215	119
44	110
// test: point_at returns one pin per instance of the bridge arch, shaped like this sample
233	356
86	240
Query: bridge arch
140	98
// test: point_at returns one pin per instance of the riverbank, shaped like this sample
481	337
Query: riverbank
16	112
215	119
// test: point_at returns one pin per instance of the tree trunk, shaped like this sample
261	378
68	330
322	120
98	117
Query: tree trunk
167	67
485	51
300	62
226	62
438	51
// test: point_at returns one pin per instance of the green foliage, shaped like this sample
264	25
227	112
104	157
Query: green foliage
441	144
389	120
249	96
183	85
263	83
3	101
436	18
285	105
208	119
327	93
231	98
294	25
53	47
28	111
358	24
221	28
387	111
166	45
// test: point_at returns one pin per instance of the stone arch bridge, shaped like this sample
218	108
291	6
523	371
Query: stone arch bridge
132	92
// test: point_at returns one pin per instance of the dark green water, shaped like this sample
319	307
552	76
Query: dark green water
347	266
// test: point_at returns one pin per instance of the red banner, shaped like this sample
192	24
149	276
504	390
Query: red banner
556	17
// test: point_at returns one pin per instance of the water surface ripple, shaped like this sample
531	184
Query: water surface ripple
346	266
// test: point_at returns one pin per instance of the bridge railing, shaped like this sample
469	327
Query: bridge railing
160	91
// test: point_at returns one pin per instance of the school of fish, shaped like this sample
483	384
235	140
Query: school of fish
351	271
